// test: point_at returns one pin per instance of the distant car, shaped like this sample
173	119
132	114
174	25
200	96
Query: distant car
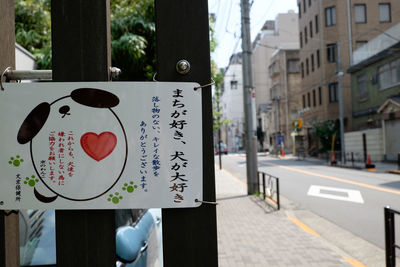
138	238
224	149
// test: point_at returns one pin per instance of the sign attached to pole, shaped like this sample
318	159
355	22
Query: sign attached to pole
100	145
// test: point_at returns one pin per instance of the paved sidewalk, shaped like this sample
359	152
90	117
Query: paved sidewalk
251	233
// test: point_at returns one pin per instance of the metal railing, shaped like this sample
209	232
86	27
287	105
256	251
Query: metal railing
269	187
390	240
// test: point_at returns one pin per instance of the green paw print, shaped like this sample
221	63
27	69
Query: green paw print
129	187
16	161
115	198
31	181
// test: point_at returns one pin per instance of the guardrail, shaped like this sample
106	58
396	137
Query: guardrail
390	240
270	187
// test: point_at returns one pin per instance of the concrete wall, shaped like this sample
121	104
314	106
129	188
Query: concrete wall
354	143
23	59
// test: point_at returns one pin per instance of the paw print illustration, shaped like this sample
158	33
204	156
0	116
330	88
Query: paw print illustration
115	198
31	181
16	161
129	187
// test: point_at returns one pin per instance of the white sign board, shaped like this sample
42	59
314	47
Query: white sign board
100	145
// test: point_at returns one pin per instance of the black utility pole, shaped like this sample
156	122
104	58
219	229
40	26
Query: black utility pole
9	226
81	52
189	234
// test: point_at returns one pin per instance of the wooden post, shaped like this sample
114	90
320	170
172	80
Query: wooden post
9	225
81	52
182	30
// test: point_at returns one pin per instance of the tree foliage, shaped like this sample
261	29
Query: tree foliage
218	78
133	38
33	30
132	35
325	131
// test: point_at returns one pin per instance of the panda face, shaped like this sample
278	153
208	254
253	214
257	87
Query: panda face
73	141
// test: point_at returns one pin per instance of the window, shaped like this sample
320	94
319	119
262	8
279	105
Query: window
314	97
384	12
320	95
309	2
304	101
293	66
333	96
302	70
316	24
305	35
362	92
301	40
389	74
309	99
304	6
331	53
234	84
312	62
360	15
311	30
299	5
318	59
330	16
360	43
307	69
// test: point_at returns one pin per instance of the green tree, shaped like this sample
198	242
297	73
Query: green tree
133	38
132	35
325	131
32	29
218	78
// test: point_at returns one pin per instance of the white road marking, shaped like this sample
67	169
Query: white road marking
352	195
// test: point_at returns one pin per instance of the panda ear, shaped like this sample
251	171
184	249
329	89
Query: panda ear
33	123
95	98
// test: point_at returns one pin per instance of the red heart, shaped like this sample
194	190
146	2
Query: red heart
100	146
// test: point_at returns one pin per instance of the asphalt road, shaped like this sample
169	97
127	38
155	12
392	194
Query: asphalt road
351	199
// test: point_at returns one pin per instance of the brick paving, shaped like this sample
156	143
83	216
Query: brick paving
251	233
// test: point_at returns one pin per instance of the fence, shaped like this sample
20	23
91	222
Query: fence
269	186
390	240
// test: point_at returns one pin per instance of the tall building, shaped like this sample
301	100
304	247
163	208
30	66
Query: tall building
284	72
282	33
329	31
232	104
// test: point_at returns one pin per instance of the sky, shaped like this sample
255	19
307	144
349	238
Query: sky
227	27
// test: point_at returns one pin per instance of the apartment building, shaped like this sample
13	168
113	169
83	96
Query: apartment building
329	31
232	104
281	33
284	72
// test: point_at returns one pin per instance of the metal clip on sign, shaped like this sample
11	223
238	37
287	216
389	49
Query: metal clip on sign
3	74
205	202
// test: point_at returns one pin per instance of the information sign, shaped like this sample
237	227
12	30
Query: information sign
100	145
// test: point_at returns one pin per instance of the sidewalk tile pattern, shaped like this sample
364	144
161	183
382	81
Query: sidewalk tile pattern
250	234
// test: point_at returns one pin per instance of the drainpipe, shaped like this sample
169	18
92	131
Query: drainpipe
349	31
286	97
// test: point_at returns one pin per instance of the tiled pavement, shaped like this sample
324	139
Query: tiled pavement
251	233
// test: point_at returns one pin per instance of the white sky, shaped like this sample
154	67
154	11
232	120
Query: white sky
228	23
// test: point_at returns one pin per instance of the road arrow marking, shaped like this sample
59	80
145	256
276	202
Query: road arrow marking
335	193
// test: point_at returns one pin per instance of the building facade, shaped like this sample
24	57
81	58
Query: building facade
376	92
284	72
232	105
281	33
330	31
